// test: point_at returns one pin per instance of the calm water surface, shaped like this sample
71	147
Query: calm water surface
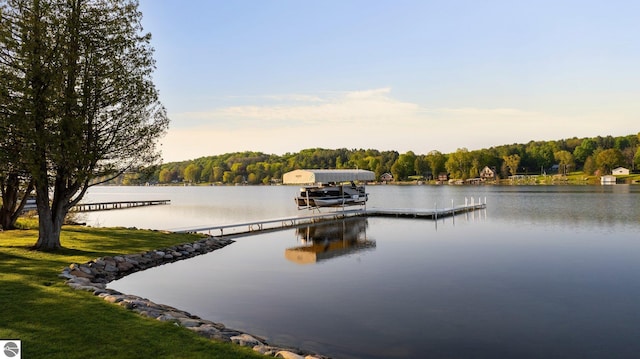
543	272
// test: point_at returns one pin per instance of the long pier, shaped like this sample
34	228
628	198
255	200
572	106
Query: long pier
106	206
288	222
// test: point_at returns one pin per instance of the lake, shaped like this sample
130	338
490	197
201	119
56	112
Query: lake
544	271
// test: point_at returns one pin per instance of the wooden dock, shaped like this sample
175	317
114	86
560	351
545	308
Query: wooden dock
288	222
107	206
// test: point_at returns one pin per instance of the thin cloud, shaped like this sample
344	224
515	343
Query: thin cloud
367	119
372	106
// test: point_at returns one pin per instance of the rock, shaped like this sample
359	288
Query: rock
135	260
266	350
190	323
97	265
100	292
167	318
78	273
85	269
221	336
125	266
151	313
113	298
78	286
245	340
176	313
288	355
80	280
206	331
127	304
65	276
109	261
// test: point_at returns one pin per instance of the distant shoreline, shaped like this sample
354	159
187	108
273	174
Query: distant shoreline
524	180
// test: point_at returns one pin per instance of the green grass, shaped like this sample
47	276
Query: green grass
54	321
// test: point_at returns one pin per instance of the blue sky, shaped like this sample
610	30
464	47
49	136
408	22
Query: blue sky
280	76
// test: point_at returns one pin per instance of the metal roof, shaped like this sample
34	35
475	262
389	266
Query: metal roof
326	176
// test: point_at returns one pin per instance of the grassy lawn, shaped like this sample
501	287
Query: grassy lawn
55	321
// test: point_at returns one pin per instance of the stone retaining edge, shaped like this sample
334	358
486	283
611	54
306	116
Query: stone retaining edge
94	276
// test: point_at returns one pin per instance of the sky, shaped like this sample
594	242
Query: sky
279	76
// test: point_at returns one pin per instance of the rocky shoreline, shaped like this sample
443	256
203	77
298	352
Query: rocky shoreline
94	276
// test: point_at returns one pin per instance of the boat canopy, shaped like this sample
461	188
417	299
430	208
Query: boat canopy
326	176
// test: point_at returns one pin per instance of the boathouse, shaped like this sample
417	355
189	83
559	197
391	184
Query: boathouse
327	176
608	179
620	171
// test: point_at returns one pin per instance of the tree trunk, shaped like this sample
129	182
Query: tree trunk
12	205
49	222
9	201
48	237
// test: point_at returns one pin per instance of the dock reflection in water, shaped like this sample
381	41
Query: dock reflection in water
330	239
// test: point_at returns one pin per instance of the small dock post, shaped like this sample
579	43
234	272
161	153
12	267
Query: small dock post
453	212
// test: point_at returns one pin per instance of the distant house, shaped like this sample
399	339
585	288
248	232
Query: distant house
386	177
488	174
608	179
443	176
620	171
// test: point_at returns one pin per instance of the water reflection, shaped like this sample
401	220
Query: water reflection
543	272
330	239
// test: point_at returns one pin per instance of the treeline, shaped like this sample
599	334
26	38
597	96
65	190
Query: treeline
596	155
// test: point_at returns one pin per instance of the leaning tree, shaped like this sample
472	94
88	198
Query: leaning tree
88	109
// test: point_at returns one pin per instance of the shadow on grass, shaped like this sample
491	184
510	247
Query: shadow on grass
114	241
57	322
54	321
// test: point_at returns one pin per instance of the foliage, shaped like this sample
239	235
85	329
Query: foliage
585	150
436	161
607	160
565	160
80	98
534	157
590	166
459	163
404	166
541	154
512	162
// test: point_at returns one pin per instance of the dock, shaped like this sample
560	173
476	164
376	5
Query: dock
107	206
289	222
433	214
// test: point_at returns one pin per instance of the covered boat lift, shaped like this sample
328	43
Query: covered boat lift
325	188
307	177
